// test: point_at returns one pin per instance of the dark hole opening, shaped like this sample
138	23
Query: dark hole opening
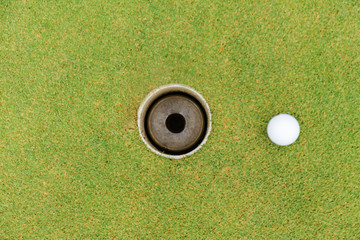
175	123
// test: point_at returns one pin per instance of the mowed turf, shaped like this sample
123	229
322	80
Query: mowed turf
73	73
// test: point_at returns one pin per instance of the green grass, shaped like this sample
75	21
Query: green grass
73	73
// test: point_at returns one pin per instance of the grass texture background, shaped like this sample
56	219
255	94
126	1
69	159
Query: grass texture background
73	73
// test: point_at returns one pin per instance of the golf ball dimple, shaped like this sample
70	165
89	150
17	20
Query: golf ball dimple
283	129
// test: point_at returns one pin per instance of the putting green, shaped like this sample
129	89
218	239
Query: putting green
73	73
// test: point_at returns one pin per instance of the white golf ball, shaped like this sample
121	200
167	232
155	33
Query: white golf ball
283	129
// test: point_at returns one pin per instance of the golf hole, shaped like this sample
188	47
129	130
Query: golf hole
174	121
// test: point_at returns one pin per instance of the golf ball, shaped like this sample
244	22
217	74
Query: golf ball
283	129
